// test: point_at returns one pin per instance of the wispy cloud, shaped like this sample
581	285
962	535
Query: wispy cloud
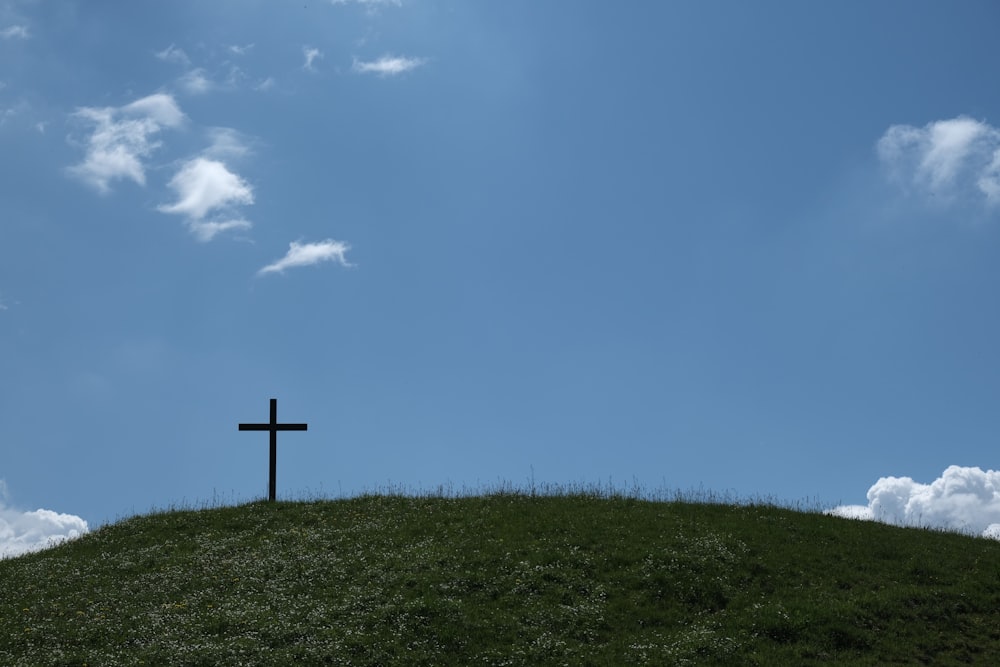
173	54
240	50
15	32
306	254
195	82
387	65
950	159
965	499
989	179
160	107
22	532
225	142
206	231
310	54
122	137
199	80
207	191
7	113
371	7
5	304
265	84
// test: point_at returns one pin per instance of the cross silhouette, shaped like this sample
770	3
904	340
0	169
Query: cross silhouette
273	427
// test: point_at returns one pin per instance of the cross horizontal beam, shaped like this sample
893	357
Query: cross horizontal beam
275	427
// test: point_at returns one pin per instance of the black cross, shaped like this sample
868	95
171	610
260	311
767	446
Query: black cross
273	427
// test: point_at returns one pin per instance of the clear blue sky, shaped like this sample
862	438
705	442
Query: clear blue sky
749	247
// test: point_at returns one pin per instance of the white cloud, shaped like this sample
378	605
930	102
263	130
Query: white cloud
950	159
203	185
122	137
206	231
266	84
160	107
305	254
20	109
4	306
234	78
172	54
989	179
15	32
372	7
240	50
861	512
226	143
21	532
387	65
195	82
962	499
311	54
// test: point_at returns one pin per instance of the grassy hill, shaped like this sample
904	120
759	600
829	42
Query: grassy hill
502	579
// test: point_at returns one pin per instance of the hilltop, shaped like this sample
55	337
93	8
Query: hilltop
502	579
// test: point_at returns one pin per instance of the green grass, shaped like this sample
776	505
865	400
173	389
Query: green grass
503	579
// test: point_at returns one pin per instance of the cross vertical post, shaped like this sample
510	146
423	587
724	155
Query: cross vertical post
273	427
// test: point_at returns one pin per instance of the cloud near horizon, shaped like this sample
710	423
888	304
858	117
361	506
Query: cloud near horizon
963	499
952	159
306	254
122	138
23	532
387	65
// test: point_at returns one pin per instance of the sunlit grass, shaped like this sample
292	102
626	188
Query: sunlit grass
571	577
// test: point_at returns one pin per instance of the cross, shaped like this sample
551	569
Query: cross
273	427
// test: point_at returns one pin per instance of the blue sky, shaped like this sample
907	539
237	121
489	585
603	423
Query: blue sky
745	247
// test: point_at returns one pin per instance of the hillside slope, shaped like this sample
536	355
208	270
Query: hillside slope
505	579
